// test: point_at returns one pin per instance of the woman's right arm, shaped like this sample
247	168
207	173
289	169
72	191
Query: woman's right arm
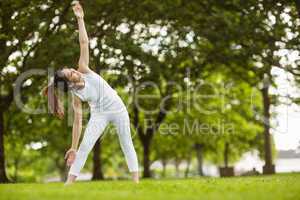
77	123
83	63
76	132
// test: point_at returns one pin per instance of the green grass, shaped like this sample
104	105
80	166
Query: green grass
283	186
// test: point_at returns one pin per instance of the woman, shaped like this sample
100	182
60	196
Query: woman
105	106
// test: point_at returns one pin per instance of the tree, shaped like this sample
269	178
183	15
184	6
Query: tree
22	22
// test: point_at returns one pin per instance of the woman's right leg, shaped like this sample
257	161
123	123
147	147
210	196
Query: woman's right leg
92	132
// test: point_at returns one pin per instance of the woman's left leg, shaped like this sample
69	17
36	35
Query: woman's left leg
122	123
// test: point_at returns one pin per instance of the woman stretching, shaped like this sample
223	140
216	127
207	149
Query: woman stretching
105	106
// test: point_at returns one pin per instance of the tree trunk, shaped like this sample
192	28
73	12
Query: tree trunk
63	172
164	165
97	164
226	155
269	168
3	177
146	160
177	163
199	148
297	2
62	168
226	171
187	170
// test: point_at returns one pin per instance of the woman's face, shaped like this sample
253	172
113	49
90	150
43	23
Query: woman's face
71	74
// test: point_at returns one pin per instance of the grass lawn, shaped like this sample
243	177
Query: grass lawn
282	186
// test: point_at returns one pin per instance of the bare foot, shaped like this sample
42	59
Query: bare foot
68	183
135	177
70	180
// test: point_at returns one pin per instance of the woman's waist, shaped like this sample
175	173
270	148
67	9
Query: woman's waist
111	110
107	105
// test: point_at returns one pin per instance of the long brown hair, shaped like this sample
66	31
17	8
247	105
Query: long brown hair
59	81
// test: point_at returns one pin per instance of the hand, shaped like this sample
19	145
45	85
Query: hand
78	11
70	156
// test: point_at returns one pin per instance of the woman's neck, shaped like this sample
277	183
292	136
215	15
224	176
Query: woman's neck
79	84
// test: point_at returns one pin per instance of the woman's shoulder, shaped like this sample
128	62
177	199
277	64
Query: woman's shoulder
85	71
90	73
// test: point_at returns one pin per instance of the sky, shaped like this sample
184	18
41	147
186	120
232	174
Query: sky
287	121
286	134
286	129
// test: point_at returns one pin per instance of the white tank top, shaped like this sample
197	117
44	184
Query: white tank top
99	95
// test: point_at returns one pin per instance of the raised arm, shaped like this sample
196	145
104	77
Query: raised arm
76	132
83	64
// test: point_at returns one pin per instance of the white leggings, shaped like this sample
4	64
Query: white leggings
94	129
